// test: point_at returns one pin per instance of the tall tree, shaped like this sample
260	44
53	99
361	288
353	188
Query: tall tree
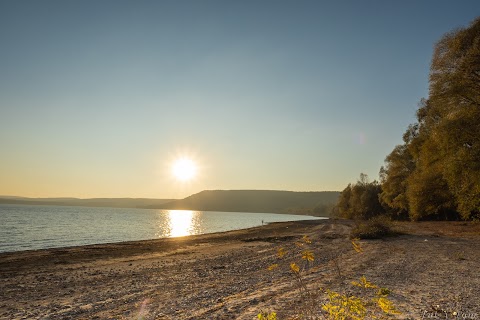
455	97
399	165
427	191
435	174
437	170
342	208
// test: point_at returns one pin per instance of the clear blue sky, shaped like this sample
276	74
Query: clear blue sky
97	98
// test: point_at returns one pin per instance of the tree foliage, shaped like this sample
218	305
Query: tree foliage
436	172
455	93
399	166
360	200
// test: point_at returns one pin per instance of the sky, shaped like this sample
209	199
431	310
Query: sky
99	98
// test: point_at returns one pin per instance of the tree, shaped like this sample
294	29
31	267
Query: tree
437	170
455	97
360	200
399	165
342	208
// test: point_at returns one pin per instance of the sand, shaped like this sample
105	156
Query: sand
432	271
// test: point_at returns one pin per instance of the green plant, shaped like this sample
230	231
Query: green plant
298	260
267	316
383	291
373	303
342	307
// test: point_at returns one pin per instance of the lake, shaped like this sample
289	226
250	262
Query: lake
24	227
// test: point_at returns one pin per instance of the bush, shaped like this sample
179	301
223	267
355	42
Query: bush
375	228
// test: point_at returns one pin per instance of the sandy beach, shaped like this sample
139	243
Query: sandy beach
431	270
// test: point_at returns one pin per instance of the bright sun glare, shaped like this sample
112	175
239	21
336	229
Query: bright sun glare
184	169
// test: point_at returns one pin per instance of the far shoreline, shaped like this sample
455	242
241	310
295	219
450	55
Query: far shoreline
43	204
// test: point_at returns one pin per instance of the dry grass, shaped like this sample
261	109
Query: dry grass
375	228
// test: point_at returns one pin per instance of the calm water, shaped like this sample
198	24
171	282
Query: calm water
39	227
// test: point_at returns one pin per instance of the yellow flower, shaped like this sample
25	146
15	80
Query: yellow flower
356	245
306	239
364	283
299	244
308	255
294	267
344	307
267	316
387	306
281	252
273	267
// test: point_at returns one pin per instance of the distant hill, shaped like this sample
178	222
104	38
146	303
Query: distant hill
308	203
312	203
94	202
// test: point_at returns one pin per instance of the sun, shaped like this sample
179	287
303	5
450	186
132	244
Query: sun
184	169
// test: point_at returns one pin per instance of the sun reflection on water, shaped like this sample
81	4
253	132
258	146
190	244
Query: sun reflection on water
180	223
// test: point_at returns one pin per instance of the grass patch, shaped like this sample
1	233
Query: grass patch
375	228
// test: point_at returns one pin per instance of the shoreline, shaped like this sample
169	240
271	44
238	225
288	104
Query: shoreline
102	250
133	242
69	236
224	275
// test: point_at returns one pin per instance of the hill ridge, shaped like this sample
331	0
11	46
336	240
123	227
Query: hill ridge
242	200
274	201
